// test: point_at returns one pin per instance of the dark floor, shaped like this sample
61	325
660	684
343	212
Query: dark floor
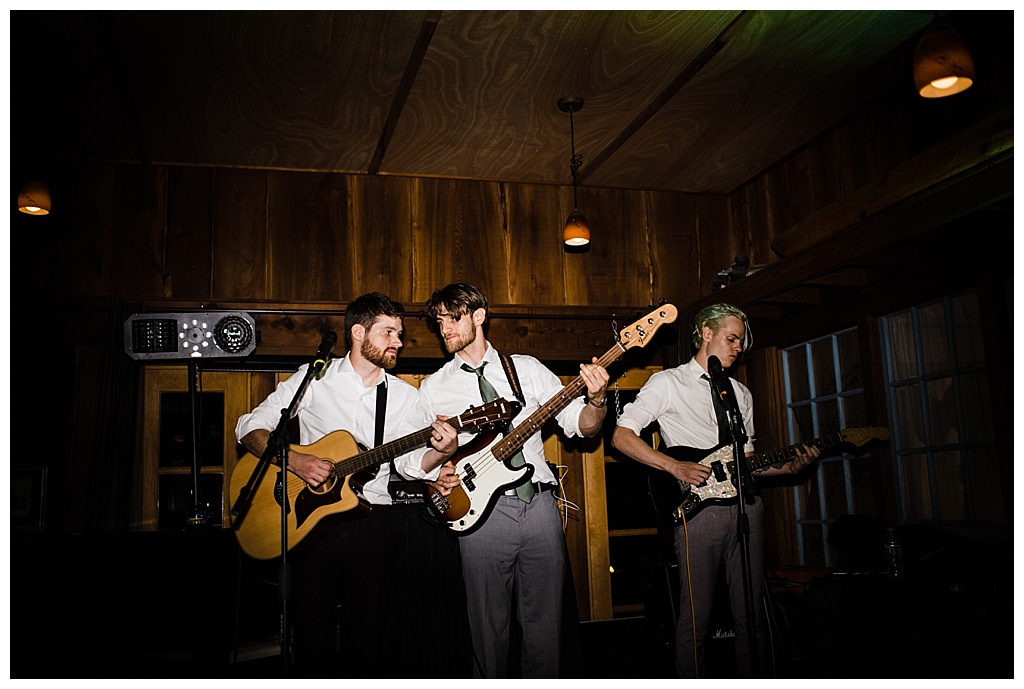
90	603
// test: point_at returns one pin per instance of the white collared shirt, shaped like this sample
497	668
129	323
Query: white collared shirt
451	391
340	401
679	399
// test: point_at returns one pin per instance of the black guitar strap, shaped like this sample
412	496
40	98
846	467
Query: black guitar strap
513	377
402	491
382	409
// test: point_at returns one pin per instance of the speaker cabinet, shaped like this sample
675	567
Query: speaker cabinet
204	334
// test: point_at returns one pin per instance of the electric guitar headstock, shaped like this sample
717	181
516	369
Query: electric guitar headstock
638	334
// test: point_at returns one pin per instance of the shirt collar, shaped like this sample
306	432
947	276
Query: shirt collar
346	367
694	369
490	357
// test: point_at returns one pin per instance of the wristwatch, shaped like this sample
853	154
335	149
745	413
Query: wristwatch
599	405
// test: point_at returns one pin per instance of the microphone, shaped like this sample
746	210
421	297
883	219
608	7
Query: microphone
714	367
719	380
326	345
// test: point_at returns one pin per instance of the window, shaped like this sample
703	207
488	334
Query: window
824	398
939	404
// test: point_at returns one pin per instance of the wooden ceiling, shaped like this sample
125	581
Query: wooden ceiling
696	101
689	100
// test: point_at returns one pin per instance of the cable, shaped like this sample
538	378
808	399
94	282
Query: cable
689	590
564	504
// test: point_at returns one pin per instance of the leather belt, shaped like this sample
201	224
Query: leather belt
541	488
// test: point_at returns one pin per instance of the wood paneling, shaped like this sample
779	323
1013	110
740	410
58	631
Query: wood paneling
675	224
134	259
240	253
721	120
189	241
381	249
307	222
615	269
532	229
988	142
459	238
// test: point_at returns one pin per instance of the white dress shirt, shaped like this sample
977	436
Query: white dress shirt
679	399
450	391
340	401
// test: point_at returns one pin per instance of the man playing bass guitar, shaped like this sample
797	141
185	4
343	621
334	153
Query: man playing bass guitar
518	553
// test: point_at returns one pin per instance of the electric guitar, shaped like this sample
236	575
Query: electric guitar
259	529
681	501
485	473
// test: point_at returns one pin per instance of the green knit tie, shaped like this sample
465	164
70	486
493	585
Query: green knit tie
526	490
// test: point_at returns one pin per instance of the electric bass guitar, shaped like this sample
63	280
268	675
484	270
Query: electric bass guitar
680	501
259	529
486	473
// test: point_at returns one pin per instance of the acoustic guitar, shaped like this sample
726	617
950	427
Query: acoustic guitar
258	530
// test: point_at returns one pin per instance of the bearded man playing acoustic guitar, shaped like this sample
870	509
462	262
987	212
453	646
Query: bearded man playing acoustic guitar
353	563
680	401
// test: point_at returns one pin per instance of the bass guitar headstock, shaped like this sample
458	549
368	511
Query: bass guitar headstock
639	333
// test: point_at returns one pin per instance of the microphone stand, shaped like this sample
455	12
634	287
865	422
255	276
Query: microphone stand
200	515
277	445
722	387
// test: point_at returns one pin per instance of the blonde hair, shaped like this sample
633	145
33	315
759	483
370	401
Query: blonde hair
712	317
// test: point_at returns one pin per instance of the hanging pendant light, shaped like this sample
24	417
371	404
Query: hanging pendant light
34	198
942	63
577	230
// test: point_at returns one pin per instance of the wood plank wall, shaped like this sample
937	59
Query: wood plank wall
202	234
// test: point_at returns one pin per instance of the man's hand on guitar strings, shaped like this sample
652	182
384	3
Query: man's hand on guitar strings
689	472
313	470
447	479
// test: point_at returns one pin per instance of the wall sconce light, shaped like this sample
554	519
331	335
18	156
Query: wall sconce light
34	198
577	230
942	63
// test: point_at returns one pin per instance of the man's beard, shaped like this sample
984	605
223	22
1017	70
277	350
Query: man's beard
378	356
459	343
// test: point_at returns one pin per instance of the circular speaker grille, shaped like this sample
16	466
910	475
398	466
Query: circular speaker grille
233	334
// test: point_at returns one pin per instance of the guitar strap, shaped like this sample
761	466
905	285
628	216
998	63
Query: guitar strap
513	377
382	408
402	491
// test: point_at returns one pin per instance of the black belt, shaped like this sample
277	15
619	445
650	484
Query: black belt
539	487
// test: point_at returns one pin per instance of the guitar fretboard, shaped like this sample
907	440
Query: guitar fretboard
517	437
388	451
762	460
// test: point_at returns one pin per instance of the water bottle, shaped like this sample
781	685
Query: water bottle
894	555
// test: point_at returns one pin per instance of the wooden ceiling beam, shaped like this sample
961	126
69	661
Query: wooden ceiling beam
658	102
412	69
984	143
988	181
